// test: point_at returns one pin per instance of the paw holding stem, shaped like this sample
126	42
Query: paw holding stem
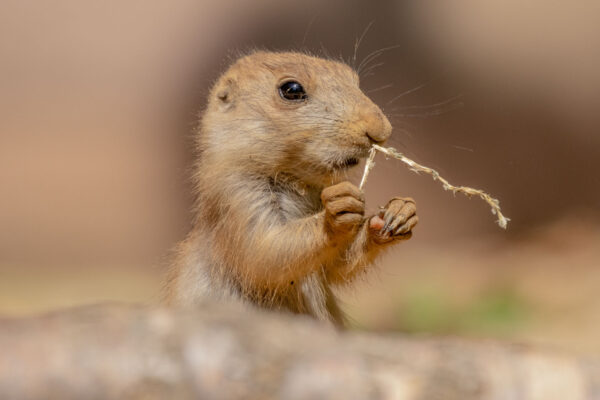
344	208
395	221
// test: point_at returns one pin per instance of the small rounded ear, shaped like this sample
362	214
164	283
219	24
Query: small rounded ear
225	92
223	95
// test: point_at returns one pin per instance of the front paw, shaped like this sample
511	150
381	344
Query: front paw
395	221
344	208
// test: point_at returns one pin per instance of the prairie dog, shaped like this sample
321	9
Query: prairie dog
276	225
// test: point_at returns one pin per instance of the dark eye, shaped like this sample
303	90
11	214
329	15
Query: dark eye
292	90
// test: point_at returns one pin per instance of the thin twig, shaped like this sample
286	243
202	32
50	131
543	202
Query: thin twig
415	167
368	167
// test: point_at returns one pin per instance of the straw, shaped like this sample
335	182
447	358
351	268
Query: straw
415	167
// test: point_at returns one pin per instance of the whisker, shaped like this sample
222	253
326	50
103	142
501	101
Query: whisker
428	114
463	148
359	41
368	71
389	85
310	23
441	103
373	55
421	86
324	50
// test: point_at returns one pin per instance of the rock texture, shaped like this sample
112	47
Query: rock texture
219	352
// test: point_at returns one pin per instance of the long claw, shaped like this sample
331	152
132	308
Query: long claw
388	218
401	229
397	221
407	226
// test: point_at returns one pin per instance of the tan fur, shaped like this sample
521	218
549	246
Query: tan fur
275	224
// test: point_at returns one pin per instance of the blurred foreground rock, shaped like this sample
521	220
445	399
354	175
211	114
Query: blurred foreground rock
216	352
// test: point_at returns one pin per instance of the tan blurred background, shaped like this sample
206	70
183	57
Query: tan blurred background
98	101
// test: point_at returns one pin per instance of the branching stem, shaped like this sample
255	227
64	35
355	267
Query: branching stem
415	167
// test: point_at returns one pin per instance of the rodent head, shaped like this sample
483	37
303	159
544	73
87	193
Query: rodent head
292	113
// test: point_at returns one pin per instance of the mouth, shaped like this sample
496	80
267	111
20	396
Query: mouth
347	163
350	162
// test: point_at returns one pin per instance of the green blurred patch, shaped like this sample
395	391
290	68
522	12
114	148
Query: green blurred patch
497	310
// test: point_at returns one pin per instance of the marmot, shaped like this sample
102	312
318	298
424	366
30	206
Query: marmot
276	224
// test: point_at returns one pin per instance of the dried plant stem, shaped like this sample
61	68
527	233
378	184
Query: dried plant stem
368	167
415	167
